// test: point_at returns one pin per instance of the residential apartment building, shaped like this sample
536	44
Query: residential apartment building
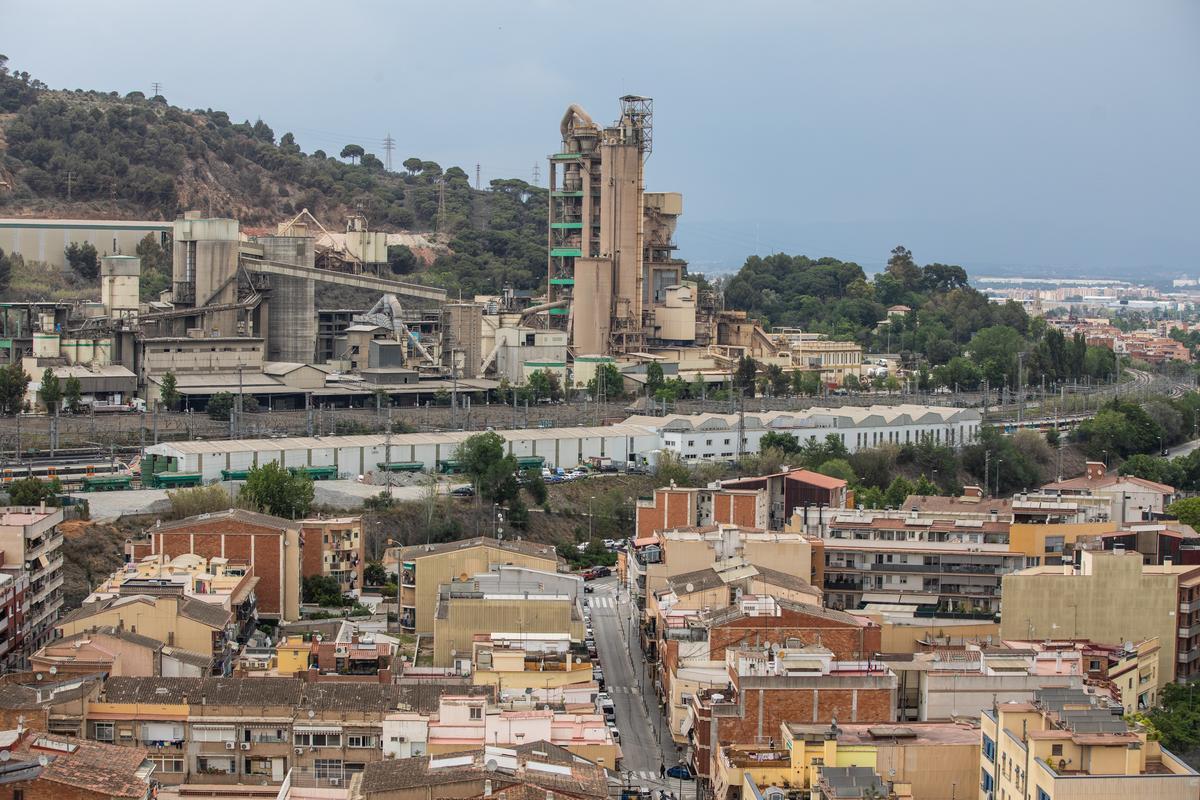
506	599
346	656
1063	747
42	766
544	666
217	581
269	545
334	548
924	561
13	586
424	569
768	686
117	652
31	545
1132	499
795	489
1127	673
949	683
1109	596
196	632
533	769
250	730
686	507
938	761
691	644
669	553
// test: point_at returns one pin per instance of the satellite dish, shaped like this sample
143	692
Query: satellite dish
689	588
528	690
44	761
38	676
54	670
5	755
491	765
311	713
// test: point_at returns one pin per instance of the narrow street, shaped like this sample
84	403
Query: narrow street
645	741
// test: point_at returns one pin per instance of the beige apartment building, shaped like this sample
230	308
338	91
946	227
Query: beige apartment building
1111	597
425	568
32	545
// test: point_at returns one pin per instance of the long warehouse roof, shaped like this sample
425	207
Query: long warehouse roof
397	440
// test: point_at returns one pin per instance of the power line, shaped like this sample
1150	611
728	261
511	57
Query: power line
157	89
537	174
477	184
389	144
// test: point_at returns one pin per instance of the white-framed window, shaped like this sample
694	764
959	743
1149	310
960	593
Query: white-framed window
102	731
476	712
167	763
215	765
362	740
318	739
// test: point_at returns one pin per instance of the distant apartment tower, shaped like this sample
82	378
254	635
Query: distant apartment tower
334	548
32	557
611	267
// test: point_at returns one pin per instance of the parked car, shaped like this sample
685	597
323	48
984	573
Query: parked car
601	572
588	588
681	770
462	491
616	734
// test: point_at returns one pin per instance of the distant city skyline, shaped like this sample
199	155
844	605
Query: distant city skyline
1041	138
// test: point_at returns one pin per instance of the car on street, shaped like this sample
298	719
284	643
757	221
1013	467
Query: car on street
681	770
462	491
616	733
588	588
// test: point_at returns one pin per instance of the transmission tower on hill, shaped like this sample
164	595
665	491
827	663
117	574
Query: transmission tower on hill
389	144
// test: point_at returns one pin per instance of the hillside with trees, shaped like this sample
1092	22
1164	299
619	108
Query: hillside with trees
94	154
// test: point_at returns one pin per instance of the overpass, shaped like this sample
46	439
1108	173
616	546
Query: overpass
415	291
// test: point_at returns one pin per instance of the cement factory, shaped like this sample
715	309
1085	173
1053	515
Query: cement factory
240	314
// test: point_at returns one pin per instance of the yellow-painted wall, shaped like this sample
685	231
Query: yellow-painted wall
1030	539
158	622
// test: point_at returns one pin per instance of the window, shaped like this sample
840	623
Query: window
326	768
476	712
257	766
989	748
361	740
310	739
985	781
167	763
1041	794
1054	544
1056	749
102	731
265	735
215	765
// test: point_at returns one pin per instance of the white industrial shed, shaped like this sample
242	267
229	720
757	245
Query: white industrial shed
356	455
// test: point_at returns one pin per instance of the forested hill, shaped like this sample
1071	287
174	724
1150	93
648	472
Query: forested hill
91	154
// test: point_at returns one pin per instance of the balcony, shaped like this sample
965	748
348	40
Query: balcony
43	545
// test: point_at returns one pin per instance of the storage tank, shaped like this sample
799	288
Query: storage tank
70	350
120	277
292	326
45	345
83	351
103	352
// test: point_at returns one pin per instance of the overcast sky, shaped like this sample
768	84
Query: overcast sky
1025	133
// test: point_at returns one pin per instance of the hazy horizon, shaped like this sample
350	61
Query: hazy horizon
1037	137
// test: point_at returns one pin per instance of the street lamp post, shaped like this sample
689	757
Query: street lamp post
591	519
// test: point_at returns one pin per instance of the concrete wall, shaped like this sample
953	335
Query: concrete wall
47	239
454	634
1114	600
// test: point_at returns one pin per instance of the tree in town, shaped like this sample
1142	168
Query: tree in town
220	406
545	383
839	468
374	574
744	375
785	443
73	394
34	491
6	265
903	268
198	500
324	591
353	152
1186	511
272	489
535	487
50	392
778	381
897	491
1177	718
654	377
168	392
494	473
84	260
607	384
14	382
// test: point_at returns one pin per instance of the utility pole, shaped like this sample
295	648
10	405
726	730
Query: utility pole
157	89
441	212
1020	387
478	185
389	144
987	462
387	450
537	174
239	404
70	184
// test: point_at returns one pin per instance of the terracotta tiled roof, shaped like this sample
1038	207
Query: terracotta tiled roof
107	770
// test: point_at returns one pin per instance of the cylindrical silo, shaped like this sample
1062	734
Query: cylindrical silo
292	329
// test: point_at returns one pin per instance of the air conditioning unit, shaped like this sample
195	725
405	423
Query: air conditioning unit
335	781
299	751
401	738
231	745
245	745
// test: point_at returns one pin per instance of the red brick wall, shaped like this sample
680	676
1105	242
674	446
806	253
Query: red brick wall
744	511
671	510
848	642
232	540
39	789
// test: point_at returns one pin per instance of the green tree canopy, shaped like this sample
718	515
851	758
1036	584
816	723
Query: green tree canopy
50	392
493	471
272	489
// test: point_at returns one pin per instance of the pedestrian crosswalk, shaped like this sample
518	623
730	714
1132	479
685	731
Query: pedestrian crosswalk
602	602
623	690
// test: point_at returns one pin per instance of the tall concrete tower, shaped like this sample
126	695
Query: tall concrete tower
596	219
